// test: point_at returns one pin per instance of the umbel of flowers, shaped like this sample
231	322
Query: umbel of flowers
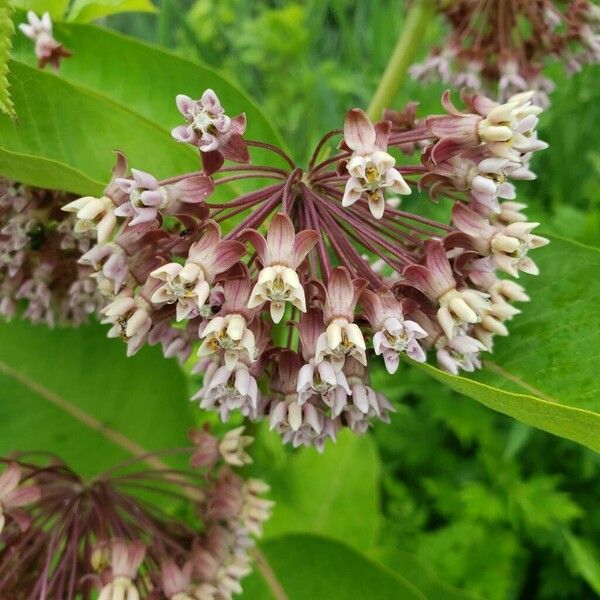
286	292
40	277
64	537
504	46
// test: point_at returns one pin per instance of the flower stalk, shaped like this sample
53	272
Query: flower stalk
414	27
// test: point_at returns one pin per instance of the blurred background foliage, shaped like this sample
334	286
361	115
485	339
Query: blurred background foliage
488	504
465	494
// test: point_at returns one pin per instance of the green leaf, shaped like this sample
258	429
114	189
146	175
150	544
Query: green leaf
85	11
47	173
335	493
75	393
545	373
146	78
56	8
309	567
78	128
421	575
7	30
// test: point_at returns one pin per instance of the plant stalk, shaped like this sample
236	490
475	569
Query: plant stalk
417	19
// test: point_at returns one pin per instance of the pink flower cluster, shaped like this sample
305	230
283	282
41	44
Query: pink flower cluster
40	277
286	292
504	46
65	537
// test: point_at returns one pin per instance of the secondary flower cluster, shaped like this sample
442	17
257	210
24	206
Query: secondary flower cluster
287	290
504	46
47	49
64	537
39	250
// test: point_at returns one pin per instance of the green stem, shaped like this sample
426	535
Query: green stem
417	19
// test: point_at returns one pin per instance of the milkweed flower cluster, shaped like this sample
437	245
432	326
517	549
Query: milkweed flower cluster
40	277
504	46
65	537
286	292
47	49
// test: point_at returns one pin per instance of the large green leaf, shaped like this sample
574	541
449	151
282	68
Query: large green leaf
146	78
75	393
545	373
310	567
420	575
56	8
335	493
78	128
47	173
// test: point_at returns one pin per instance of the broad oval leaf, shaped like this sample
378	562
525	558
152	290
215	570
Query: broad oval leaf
147	78
311	567
56	8
75	393
546	372
335	493
60	122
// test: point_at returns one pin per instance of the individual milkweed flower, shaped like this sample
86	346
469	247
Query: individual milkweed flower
147	198
125	562
459	353
342	336
215	134
280	254
393	334
370	167
364	403
508	129
434	67
189	285
318	377
436	281
229	389
13	496
177	582
94	214
508	245
47	49
289	413
228	331
131	320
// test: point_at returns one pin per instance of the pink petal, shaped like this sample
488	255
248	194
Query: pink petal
227	253
303	244
9	480
280	239
186	105
359	133
193	189
235	148
382	134
258	241
144	180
